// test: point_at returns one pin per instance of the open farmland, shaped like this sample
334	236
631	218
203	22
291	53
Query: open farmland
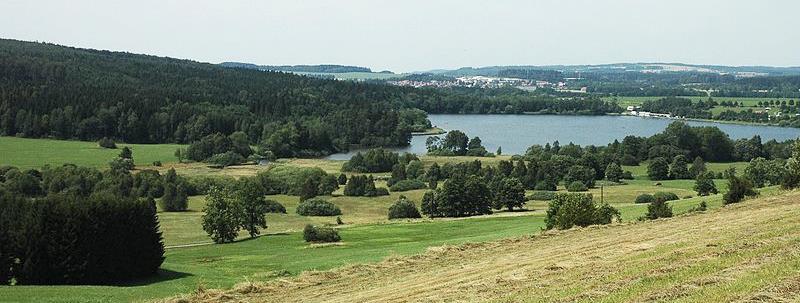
745	252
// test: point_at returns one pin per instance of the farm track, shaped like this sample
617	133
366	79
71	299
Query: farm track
748	252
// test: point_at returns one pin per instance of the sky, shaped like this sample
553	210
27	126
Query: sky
417	35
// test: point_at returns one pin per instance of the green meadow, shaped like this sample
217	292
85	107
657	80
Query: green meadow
34	153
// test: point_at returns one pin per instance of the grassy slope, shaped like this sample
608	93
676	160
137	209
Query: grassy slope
742	252
34	153
272	256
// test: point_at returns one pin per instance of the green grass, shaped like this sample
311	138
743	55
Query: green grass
367	237
35	153
271	256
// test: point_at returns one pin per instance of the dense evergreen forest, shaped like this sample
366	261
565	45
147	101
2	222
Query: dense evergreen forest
69	93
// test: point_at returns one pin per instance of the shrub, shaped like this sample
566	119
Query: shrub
704	184
107	143
568	210
373	161
738	189
318	207
665	196
645	198
627	175
200	185
274	207
317	234
658	209
174	198
406	185
226	159
377	192
545	185
403	208
542	196
576	186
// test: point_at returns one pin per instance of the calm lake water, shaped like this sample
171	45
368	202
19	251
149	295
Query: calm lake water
515	133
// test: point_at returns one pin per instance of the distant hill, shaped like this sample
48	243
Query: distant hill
743	71
323	68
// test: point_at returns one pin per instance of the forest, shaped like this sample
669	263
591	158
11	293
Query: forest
69	93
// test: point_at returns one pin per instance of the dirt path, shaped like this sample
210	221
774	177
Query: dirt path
745	252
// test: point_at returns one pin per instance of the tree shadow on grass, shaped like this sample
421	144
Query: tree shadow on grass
163	275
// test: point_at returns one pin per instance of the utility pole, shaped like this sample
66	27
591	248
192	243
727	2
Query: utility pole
601	194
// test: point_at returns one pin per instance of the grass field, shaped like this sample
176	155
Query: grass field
185	227
746	252
35	153
368	236
275	256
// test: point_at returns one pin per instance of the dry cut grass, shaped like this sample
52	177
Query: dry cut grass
740	253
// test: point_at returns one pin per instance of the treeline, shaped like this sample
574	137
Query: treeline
322	68
683	107
77	225
509	101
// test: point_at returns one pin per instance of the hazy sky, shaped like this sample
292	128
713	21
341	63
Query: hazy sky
411	35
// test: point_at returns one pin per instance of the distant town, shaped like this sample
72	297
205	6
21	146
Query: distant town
490	82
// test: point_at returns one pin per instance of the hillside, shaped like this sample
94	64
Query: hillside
744	252
55	91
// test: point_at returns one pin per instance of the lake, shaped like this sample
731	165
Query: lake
515	133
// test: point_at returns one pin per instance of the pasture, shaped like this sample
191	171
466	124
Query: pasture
35	153
741	253
193	263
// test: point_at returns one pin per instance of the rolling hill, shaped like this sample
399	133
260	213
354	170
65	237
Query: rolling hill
745	252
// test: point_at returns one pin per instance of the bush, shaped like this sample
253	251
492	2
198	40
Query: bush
665	196
545	185
568	210
274	207
226	159
377	192
107	143
627	175
738	189
658	209
174	198
403	208
645	198
576	186
542	196
406	185
318	207
316	234
373	161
